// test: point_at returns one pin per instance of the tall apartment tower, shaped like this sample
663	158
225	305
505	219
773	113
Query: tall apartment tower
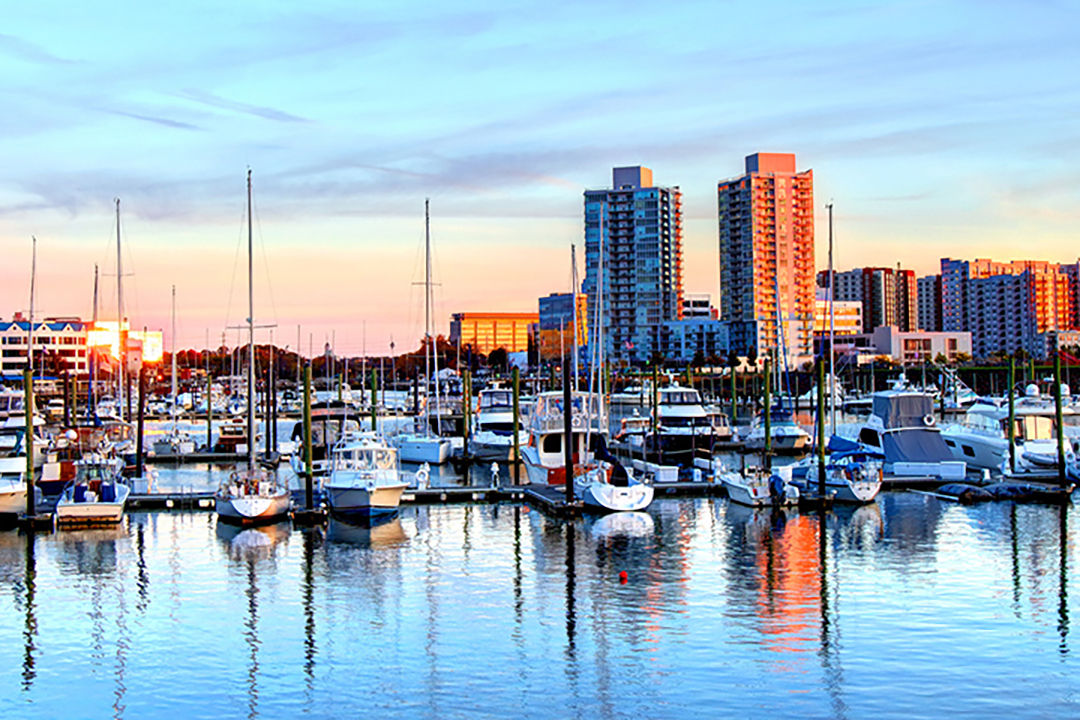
636	227
767	255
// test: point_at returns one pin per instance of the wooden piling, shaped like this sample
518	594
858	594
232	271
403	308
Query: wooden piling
516	382
568	432
309	490
1059	420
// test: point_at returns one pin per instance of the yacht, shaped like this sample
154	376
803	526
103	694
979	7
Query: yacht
903	429
96	495
684	424
365	477
493	436
787	437
12	471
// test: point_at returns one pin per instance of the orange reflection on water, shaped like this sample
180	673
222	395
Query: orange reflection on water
789	587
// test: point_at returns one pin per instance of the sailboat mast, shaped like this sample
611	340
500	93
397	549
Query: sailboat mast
427	314
573	304
832	331
251	339
172	411
120	343
91	409
30	325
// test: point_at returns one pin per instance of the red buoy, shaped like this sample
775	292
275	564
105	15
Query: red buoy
623	577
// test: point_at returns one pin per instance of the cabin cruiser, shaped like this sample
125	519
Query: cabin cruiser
684	424
492	438
787	436
12	471
330	422
903	429
96	495
365	477
600	481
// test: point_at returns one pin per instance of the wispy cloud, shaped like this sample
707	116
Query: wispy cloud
167	122
25	50
211	100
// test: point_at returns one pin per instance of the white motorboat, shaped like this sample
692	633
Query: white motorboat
755	487
610	487
787	437
423	448
850	477
253	495
903	429
96	496
544	456
12	472
365	478
493	436
684	424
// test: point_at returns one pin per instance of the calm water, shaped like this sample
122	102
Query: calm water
907	608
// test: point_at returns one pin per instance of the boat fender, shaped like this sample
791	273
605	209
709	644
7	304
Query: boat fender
929	420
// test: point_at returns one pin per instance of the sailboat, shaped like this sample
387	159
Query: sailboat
252	495
420	446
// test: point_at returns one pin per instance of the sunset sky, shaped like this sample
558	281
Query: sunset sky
937	129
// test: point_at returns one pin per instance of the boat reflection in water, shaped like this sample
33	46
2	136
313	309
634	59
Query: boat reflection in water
381	531
621	524
248	547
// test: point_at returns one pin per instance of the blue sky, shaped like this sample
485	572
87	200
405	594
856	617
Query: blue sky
937	129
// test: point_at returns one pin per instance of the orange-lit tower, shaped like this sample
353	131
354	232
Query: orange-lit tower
767	255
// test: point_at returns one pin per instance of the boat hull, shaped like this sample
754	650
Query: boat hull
69	512
362	502
605	497
13	501
252	509
434	451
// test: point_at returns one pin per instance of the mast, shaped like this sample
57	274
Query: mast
120	340
427	314
30	325
91	409
172	410
573	304
429	301
832	332
251	341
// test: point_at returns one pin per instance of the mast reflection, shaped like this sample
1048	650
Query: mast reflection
30	628
247	547
1063	578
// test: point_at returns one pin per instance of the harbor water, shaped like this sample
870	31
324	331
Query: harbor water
909	607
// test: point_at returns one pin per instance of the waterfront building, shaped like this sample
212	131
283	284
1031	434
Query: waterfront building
918	346
637	228
1006	306
889	296
64	344
846	316
766	236
698	305
698	339
484	332
929	292
556	324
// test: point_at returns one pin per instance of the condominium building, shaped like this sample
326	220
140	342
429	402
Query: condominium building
929	291
633	253
555	334
697	339
484	332
64	344
1006	306
889	296
698	305
767	255
845	319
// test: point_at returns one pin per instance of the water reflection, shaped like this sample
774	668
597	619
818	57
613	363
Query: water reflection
30	627
248	547
312	537
383	533
1063	578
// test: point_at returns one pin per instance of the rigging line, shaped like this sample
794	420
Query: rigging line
236	261
266	262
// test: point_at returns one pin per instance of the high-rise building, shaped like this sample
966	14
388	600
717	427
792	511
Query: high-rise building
889	296
767	255
698	305
633	239
1007	306
556	331
929	290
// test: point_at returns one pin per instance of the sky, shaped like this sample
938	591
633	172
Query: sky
937	129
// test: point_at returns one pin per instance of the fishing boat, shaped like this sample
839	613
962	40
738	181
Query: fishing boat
252	495
331	422
422	445
365	477
96	496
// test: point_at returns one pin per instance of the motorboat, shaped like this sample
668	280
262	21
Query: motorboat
330	423
422	447
544	456
684	424
757	487
96	495
365	477
850	477
903	429
12	471
787	436
493	436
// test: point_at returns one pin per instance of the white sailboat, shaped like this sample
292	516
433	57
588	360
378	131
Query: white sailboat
420	446
252	495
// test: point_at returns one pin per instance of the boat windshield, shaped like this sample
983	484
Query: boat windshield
367	459
496	399
680	397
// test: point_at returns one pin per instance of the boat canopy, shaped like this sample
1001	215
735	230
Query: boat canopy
903	410
914	445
